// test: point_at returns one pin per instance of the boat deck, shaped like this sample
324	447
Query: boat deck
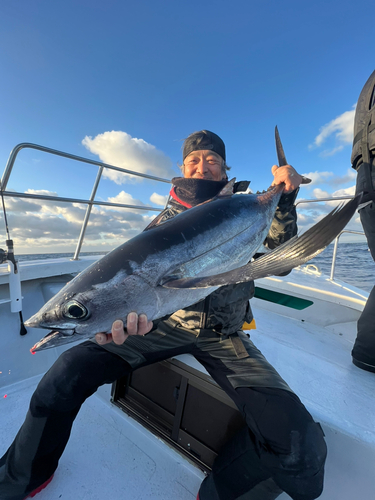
111	454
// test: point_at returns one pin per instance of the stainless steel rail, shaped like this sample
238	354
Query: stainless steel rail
90	202
315	200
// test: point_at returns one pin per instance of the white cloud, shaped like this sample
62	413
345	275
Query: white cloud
331	152
319	193
350	191
350	176
159	199
21	205
329	179
302	219
125	199
317	177
122	150
45	226
43	192
341	127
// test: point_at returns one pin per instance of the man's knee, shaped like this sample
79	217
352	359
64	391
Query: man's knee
301	471
77	374
64	386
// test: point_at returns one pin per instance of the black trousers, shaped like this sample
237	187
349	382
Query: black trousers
364	346
282	444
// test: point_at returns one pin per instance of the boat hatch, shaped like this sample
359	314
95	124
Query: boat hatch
167	397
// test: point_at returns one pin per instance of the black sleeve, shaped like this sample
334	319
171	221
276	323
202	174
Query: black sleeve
284	224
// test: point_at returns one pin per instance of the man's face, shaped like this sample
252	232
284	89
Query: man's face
204	164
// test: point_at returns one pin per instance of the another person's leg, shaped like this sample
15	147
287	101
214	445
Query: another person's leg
282	449
364	348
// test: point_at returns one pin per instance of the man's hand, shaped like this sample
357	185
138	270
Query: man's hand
288	175
135	325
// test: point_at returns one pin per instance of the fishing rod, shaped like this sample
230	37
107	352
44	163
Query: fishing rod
9	243
8	256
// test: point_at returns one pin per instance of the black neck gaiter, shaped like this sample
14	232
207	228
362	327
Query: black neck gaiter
196	191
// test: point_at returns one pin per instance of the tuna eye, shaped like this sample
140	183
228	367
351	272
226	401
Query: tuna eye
74	310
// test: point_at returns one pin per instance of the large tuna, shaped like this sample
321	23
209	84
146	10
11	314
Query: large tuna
175	264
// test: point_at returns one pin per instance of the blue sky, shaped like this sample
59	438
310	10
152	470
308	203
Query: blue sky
126	82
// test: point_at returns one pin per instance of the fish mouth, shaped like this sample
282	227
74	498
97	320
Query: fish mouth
54	339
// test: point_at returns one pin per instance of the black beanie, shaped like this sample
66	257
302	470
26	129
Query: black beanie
203	140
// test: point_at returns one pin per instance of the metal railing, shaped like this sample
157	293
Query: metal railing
90	202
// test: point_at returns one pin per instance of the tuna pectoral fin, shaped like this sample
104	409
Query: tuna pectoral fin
293	253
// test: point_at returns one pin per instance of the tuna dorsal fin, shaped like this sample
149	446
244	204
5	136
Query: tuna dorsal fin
227	189
293	253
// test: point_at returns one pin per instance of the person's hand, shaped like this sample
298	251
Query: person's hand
288	175
135	325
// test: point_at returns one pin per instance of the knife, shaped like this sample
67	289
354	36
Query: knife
281	155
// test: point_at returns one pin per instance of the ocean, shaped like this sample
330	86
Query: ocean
354	263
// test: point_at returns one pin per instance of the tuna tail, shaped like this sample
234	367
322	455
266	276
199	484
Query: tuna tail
293	253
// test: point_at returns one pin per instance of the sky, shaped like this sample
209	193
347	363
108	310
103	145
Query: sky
126	82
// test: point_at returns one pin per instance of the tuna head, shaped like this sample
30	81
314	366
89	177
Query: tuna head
73	314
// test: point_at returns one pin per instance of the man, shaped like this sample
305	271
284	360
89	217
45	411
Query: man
282	449
363	160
